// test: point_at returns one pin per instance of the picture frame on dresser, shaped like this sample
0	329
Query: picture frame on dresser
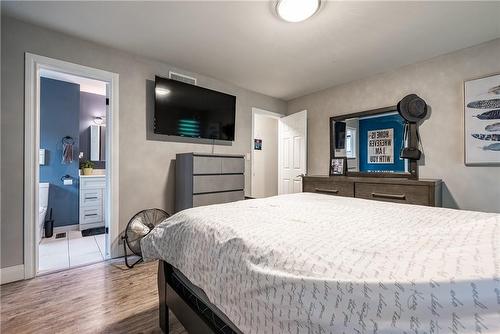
481	97
338	166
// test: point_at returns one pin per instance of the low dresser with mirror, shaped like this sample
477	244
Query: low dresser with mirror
366	160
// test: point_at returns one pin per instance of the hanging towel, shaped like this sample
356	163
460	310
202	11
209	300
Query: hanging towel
67	154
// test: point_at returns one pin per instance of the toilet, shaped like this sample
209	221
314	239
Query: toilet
43	200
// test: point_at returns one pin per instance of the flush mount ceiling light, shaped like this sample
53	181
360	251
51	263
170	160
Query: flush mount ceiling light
297	10
98	120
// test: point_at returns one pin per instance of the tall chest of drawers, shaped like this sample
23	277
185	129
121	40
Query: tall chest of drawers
204	179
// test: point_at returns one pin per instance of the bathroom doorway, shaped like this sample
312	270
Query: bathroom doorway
71	170
70	229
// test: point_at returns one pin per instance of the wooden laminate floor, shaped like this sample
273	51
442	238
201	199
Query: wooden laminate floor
100	298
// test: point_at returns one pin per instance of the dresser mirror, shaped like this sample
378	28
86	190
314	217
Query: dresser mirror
371	141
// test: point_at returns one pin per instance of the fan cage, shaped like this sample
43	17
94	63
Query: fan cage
158	213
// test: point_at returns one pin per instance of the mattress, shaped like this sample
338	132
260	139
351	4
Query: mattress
312	263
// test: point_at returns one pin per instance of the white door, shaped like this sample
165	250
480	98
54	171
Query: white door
293	152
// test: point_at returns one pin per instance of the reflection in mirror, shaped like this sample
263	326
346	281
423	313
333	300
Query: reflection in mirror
97	142
340	138
371	144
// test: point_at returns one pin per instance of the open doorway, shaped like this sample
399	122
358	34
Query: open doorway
278	153
71	170
265	155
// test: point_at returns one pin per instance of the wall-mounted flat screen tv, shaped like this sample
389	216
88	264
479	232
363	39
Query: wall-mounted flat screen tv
187	110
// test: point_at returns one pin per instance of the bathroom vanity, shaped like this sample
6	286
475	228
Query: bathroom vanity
92	191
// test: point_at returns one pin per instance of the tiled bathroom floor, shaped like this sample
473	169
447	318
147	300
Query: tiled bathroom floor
71	251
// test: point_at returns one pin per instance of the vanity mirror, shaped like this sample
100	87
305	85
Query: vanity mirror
97	143
371	141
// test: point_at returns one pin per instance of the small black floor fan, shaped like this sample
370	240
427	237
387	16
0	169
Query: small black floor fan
137	228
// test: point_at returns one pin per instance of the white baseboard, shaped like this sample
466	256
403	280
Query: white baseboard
11	274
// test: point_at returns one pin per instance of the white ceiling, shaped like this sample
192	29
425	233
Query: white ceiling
86	84
246	44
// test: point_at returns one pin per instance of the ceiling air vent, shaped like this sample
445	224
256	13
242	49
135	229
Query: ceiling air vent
182	78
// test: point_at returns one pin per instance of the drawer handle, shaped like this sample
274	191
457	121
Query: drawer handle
328	191
91	197
389	196
91	215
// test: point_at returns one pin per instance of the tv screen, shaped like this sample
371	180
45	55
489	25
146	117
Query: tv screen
186	110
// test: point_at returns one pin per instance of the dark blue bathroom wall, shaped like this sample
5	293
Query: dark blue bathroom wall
376	123
59	110
91	106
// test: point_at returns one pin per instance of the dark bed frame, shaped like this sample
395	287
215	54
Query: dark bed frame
189	309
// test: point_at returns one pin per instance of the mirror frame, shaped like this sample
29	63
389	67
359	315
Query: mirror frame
412	164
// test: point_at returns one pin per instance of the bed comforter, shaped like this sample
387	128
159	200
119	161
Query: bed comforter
311	263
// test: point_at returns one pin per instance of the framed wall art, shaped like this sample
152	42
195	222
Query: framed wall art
482	121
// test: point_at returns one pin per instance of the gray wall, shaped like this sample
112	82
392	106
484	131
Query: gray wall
440	82
151	184
146	166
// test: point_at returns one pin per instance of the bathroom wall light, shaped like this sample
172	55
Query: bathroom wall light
297	10
162	91
98	120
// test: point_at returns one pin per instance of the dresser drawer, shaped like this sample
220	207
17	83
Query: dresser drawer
206	165
329	187
217	198
233	165
90	215
393	193
211	183
92	182
91	197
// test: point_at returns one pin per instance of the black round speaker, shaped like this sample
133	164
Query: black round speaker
412	108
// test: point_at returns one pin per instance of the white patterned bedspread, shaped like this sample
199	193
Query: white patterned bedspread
310	263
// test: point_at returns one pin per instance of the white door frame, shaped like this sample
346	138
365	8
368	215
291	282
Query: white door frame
33	65
258	111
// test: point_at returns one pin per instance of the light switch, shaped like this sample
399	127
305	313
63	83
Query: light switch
41	159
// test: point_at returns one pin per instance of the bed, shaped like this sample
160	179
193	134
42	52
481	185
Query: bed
312	263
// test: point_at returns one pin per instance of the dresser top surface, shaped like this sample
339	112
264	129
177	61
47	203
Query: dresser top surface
215	155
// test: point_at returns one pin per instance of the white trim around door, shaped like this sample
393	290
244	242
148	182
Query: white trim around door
33	65
258	111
